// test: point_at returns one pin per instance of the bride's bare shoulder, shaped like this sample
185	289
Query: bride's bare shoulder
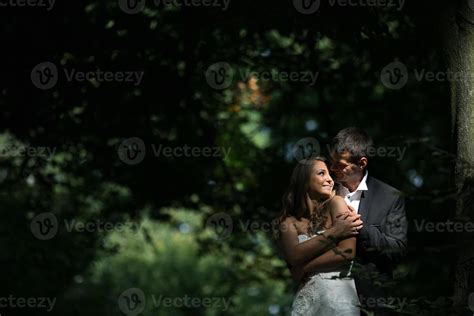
337	203
337	199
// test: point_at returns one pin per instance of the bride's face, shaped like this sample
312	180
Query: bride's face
320	183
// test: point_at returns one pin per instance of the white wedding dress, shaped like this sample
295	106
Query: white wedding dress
327	293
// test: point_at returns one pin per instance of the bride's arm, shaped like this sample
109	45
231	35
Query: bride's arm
335	257
296	254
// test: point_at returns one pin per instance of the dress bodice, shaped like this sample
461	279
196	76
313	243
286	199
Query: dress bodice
343	271
326	293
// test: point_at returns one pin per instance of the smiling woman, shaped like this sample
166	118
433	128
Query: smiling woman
312	242
121	109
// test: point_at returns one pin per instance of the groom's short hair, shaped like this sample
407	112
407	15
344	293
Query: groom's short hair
354	140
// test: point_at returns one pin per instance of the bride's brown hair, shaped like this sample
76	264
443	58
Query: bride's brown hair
296	198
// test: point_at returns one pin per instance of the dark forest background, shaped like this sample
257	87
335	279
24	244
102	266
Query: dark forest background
174	209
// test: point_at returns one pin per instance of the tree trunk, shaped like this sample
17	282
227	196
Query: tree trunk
458	25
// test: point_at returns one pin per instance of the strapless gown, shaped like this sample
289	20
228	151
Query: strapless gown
327	293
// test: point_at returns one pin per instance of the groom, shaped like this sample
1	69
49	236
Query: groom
382	241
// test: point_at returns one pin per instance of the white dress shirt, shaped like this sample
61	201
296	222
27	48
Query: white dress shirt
353	198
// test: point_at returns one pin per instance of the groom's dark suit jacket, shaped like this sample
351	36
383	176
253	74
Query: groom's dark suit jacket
383	238
382	242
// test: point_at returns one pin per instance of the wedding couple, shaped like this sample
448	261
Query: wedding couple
335	237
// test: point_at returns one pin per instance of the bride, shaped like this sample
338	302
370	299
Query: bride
317	233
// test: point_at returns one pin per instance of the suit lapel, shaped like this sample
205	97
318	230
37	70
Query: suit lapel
365	201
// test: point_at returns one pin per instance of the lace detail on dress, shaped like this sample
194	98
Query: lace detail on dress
306	300
326	294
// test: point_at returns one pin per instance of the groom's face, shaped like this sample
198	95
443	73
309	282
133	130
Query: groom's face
343	168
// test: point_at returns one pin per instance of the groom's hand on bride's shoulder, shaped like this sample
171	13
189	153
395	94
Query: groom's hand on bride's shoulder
347	224
353	211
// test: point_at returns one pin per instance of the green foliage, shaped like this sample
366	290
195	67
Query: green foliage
163	260
170	198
